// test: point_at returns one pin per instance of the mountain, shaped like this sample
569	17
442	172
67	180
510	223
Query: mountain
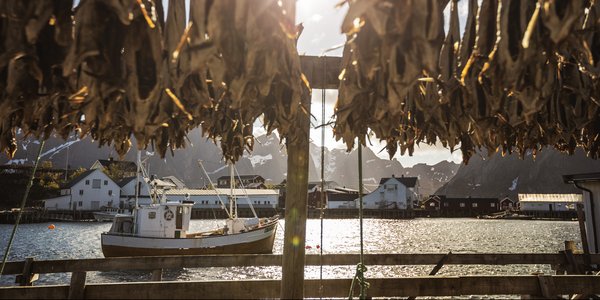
498	176
268	159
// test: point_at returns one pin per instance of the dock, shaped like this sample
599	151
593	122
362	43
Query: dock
573	277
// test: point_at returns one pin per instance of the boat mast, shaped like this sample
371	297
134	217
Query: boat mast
232	202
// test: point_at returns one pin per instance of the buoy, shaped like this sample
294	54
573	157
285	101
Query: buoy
308	247
51	226
318	246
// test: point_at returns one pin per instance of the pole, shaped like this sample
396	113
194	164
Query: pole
292	269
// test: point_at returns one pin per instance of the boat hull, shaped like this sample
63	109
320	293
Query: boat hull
258	241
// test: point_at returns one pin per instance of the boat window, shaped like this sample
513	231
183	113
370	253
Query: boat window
152	215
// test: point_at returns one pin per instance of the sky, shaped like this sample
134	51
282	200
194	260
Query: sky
322	22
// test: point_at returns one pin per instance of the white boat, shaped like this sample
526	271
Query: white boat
108	214
163	229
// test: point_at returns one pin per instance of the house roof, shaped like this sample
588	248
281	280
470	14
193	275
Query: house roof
242	177
77	179
178	183
125	181
581	177
550	197
127	166
406	181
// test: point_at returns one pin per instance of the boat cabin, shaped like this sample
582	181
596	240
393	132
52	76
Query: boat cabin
164	220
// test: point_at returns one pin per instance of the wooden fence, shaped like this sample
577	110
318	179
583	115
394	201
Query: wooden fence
537	285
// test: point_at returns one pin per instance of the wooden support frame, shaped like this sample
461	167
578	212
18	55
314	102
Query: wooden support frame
151	263
379	287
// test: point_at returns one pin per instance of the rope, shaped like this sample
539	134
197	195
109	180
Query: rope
321	202
359	277
29	184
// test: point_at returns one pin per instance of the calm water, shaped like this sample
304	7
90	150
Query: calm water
82	240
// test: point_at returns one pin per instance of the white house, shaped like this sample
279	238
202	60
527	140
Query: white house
127	198
89	191
260	198
393	193
549	202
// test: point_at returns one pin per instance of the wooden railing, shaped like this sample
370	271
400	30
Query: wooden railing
540	285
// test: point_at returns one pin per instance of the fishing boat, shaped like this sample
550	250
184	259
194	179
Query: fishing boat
163	229
107	214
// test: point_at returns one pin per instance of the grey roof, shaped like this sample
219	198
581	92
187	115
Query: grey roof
178	183
406	181
125	181
77	179
242	177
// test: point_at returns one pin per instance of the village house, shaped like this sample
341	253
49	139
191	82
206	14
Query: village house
127	198
263	198
548	202
341	197
462	206
243	181
314	192
91	190
393	193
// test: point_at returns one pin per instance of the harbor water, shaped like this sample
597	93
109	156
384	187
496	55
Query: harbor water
76	240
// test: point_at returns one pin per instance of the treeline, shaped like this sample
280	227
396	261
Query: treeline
46	183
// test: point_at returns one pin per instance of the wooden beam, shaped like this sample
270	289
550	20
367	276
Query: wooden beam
202	261
322	71
379	287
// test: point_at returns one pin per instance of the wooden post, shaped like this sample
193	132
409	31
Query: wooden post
77	287
292	270
157	275
26	278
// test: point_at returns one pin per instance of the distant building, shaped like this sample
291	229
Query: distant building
341	197
507	203
129	168
314	192
393	192
91	190
549	202
264	198
461	206
127	198
245	181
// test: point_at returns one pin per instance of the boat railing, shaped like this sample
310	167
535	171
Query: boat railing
573	276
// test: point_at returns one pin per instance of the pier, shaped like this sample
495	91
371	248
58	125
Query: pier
572	277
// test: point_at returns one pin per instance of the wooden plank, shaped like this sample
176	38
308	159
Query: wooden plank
77	287
322	72
547	286
200	261
380	287
25	278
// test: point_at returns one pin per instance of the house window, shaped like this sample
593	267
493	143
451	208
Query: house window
105	182
87	182
80	192
80	203
216	202
432	204
446	204
474	204
462	204
96	183
391	187
110	192
492	204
